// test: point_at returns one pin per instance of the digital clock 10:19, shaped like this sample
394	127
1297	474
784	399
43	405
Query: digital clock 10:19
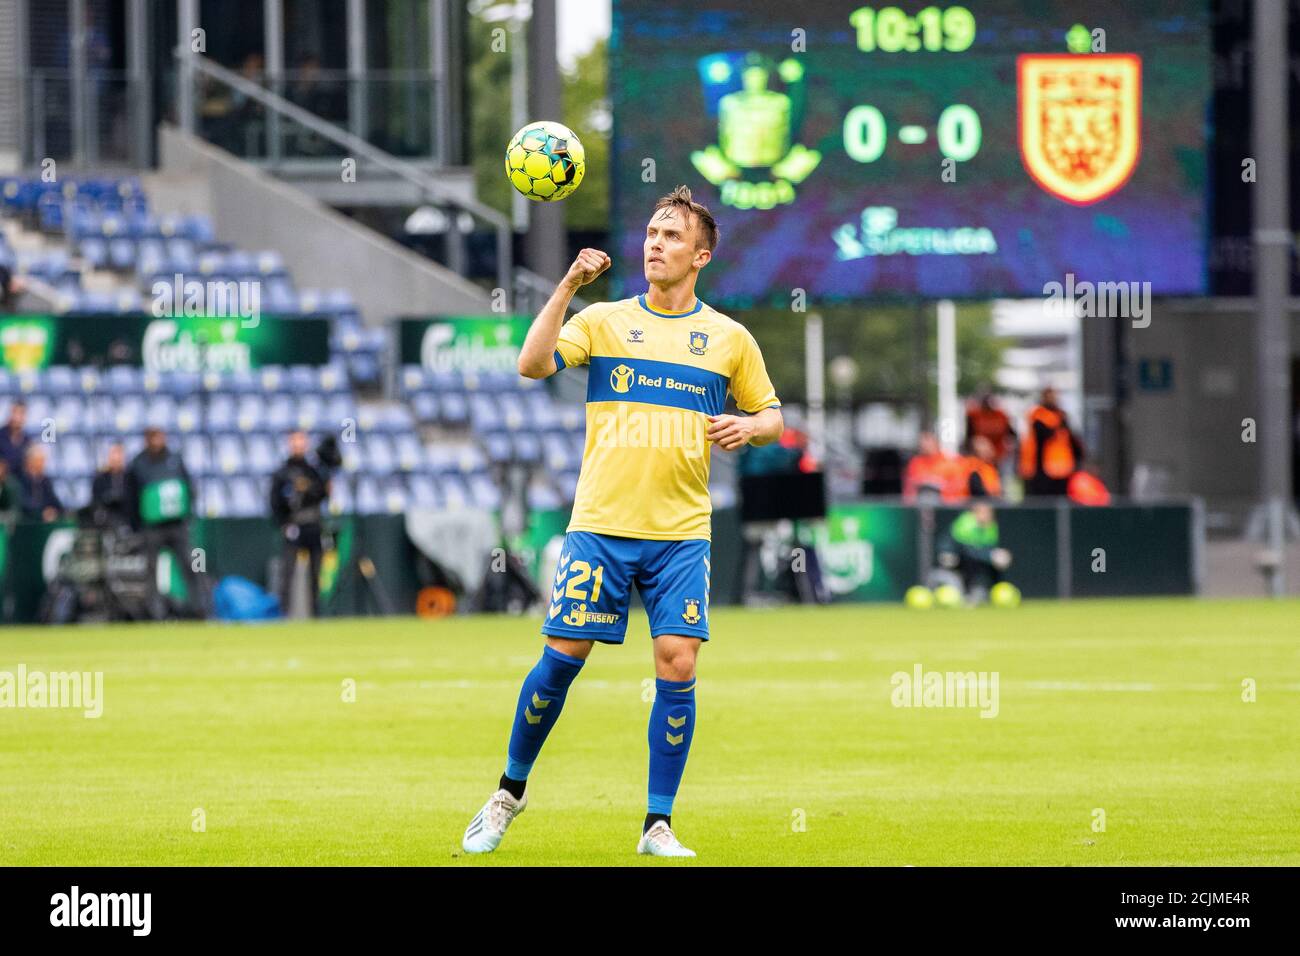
932	30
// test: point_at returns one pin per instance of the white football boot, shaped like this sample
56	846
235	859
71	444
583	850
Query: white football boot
484	833
660	840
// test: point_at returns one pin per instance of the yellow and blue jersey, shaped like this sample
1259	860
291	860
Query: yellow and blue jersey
654	377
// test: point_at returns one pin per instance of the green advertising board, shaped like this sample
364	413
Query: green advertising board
868	551
168	344
462	343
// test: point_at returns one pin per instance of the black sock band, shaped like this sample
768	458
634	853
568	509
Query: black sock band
513	787
652	818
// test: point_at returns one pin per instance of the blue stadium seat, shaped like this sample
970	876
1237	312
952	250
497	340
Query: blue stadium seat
262	456
425	406
161	413
309	413
484	492
409	451
369	498
453	408
543	497
499	449
213	499
127	415
303	378
340	500
121	253
59	380
94	251
378	456
71	416
411	380
339	408
333	377
75	459
527	448
227	454
281	413
485	415
269	262
424	492
455	491
363	368
197	452
395	496
245	499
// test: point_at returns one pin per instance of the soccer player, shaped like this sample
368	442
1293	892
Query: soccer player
660	367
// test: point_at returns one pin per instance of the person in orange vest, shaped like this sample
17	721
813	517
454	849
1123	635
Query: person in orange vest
982	478
1050	452
930	471
985	418
974	475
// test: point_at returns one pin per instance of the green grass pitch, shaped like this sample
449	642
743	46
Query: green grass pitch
1133	708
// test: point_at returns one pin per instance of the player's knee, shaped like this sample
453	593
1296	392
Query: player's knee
578	649
675	662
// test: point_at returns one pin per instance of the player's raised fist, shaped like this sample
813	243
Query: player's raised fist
589	264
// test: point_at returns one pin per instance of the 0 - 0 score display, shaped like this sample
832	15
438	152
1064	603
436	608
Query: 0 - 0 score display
931	30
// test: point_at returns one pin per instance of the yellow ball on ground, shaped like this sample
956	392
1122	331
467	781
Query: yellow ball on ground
919	597
947	596
1005	594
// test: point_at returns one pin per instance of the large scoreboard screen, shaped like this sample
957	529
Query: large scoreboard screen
938	150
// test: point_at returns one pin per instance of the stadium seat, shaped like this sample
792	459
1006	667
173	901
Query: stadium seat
245	500
197	452
213	499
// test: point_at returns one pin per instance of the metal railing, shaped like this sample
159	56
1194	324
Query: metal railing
390	109
101	119
277	108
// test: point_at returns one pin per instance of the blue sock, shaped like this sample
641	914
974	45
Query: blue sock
540	700
672	725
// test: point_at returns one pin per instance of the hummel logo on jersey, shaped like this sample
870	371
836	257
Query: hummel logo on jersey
620	380
636	335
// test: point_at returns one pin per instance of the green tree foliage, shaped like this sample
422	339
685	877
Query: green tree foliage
489	104
587	113
894	363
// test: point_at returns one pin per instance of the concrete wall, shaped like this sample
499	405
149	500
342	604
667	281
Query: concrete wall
1188	436
322	248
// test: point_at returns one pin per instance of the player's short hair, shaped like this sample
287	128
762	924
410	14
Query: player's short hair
680	198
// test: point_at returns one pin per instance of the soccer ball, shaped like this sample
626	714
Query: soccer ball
919	597
545	161
1004	594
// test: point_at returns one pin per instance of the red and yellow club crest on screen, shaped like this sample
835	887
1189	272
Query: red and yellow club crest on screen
1080	122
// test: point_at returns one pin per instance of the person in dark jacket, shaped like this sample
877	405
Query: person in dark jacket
108	497
298	495
159	496
14	438
11	494
40	501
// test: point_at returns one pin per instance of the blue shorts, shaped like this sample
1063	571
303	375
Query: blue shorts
593	587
